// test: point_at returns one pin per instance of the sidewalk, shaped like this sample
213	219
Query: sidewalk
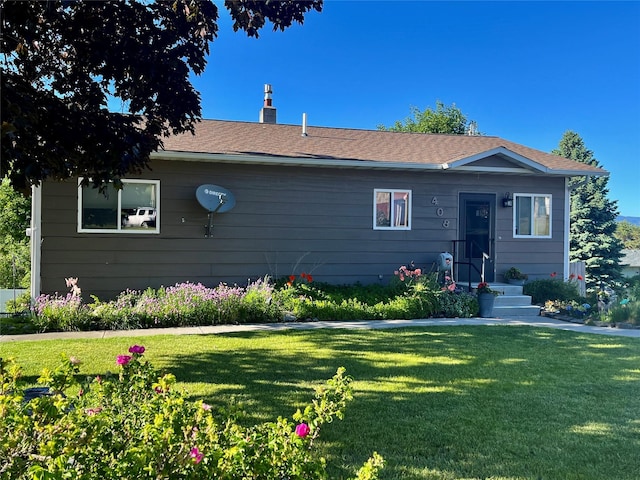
534	321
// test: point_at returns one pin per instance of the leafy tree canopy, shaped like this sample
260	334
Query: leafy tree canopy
64	60
593	219
629	235
15	214
444	119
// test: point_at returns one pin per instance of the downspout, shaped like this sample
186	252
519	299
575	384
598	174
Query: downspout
36	239
567	226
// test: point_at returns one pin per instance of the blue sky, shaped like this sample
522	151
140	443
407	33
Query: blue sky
524	71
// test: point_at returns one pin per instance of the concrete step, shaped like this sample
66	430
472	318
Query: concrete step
502	288
507	289
512	311
512	300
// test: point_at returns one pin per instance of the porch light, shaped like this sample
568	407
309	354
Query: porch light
507	201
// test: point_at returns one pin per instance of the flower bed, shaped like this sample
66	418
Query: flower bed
413	294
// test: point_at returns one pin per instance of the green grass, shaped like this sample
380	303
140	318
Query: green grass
437	403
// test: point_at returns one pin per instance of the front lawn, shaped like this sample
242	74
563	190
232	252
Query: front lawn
437	403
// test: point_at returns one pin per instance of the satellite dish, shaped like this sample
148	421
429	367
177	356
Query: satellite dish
214	198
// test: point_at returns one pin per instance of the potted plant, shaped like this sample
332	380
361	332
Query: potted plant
486	298
515	277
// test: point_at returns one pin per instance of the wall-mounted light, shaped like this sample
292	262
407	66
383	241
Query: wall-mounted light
507	201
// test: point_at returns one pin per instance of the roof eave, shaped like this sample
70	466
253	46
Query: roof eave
528	167
292	161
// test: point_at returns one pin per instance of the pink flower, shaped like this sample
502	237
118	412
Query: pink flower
302	430
139	349
93	411
553	275
206	407
123	359
196	455
452	287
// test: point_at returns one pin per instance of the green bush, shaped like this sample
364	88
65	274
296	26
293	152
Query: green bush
457	304
22	304
544	290
137	424
627	313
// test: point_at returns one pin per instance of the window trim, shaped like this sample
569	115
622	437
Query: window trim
532	196
392	191
119	229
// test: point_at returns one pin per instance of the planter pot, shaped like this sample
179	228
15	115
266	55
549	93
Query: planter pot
485	302
515	281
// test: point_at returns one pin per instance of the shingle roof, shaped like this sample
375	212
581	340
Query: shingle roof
216	137
630	257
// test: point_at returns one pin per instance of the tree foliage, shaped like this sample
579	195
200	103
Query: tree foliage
629	235
64	63
444	119
593	219
15	213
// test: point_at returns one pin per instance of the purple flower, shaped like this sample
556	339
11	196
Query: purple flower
123	359
302	430
196	455
138	349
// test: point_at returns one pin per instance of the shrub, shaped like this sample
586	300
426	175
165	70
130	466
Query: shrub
551	289
137	424
627	313
61	313
457	304
21	305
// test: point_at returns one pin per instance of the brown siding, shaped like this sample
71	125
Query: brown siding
286	220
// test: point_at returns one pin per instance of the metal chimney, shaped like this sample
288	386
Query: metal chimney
268	112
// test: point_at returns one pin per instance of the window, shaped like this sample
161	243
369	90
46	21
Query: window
391	209
134	209
532	216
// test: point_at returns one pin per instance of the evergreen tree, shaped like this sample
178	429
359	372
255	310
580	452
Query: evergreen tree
593	220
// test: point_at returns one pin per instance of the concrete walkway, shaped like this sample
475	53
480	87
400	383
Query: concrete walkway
534	321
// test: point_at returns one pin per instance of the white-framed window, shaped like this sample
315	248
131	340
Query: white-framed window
133	209
531	215
391	209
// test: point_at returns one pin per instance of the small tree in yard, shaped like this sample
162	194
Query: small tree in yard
593	220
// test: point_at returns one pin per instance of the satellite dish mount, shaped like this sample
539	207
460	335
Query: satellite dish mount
214	199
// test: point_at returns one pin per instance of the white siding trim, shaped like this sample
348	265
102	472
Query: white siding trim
36	239
567	227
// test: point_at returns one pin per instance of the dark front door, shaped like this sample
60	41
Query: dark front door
477	227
